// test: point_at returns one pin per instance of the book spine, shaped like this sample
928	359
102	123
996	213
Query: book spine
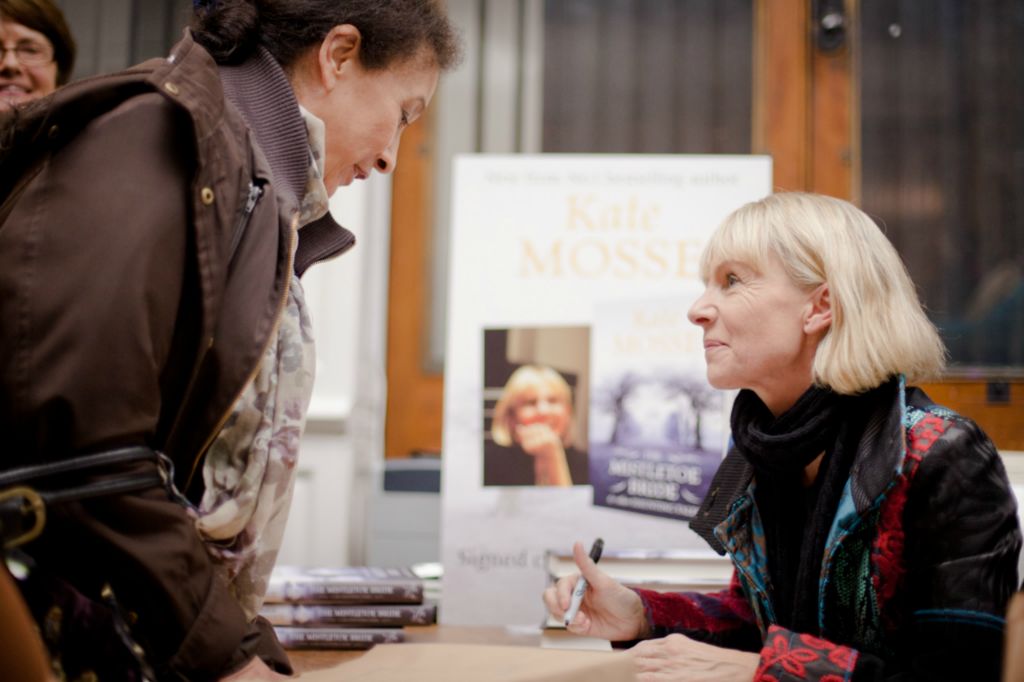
337	638
331	614
345	593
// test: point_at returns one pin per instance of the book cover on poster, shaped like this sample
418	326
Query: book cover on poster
336	637
393	615
549	254
658	430
350	584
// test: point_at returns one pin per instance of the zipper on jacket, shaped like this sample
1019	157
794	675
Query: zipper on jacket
205	347
255	192
281	304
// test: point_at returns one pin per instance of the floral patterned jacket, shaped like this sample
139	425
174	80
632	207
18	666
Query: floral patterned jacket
920	562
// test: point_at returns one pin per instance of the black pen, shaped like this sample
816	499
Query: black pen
581	583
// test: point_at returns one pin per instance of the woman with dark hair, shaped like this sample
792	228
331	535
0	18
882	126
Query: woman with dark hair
156	223
38	50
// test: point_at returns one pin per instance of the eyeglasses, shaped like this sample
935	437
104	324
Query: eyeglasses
29	54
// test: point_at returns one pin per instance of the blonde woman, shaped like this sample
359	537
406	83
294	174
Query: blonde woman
531	433
873	533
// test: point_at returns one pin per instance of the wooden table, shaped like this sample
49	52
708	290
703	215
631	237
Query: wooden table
307	661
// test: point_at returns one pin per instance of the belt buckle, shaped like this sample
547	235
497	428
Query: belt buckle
32	504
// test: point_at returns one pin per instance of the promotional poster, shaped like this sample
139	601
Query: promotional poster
575	405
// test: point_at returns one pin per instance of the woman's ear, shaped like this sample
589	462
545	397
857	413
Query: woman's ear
339	52
819	311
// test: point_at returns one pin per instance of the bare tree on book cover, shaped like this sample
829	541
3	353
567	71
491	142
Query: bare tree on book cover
611	398
345	585
652	449
336	637
681	427
700	395
350	614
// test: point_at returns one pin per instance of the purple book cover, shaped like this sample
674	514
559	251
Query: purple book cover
344	585
658	430
336	637
350	614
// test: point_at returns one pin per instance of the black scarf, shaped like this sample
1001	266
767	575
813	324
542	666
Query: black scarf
796	519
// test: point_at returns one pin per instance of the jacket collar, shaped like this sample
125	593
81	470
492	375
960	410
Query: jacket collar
882	447
189	74
881	451
259	89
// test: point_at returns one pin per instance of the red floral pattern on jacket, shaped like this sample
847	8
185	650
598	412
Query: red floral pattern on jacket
788	656
887	549
960	553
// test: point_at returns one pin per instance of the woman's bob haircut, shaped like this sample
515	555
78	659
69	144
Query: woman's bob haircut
879	328
523	379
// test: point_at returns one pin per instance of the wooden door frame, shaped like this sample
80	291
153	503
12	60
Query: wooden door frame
415	395
805	115
804	105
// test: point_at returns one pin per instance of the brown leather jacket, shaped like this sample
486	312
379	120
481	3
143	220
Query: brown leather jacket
139	285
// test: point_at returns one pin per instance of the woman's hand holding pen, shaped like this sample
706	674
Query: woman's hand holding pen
609	610
542	442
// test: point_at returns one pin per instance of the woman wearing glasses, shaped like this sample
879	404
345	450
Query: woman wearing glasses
38	52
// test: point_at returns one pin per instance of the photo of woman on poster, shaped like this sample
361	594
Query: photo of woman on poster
536	392
532	434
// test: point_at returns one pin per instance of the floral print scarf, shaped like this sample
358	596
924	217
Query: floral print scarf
249	471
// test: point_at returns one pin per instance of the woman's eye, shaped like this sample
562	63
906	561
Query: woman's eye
405	118
731	279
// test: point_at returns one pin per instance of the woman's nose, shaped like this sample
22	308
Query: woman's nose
700	312
388	159
10	60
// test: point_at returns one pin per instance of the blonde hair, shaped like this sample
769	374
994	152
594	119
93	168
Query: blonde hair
527	376
879	328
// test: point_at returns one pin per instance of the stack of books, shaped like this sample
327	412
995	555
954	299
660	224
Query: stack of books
354	607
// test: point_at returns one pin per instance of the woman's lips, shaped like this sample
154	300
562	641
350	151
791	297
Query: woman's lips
13	89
